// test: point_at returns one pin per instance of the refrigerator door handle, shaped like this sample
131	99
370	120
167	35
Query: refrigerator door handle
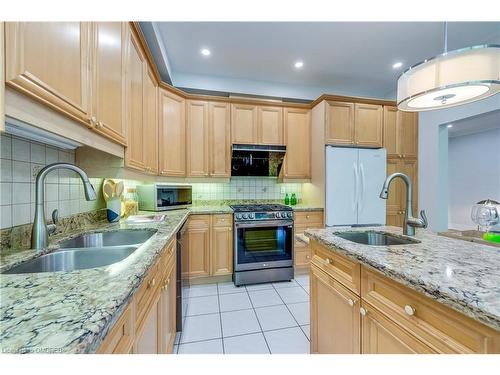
362	189
355	195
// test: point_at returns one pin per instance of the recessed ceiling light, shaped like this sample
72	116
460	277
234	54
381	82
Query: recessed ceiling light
397	65
299	64
450	126
205	52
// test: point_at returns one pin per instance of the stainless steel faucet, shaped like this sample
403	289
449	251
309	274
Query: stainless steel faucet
410	222
39	234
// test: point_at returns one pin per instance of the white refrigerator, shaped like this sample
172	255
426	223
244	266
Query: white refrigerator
354	179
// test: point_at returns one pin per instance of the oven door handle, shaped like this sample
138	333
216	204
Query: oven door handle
275	223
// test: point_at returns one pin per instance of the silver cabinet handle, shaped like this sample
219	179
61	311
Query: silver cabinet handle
350	302
328	261
409	310
363	311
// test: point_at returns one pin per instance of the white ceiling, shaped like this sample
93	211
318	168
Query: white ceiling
350	58
477	124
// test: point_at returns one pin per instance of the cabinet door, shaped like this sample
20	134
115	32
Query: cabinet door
222	251
167	325
335	319
270	125
408	137
339	123
297	123
394	203
197	138
220	139
134	153
172	138
382	336
147	339
368	125
108	70
198	244
391	131
244	123
150	124
49	61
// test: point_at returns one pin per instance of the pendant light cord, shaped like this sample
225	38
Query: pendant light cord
445	37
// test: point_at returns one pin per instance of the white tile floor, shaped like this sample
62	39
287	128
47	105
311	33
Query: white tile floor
256	319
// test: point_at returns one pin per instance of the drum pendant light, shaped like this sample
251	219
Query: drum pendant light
450	79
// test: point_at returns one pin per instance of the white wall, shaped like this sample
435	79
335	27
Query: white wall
433	157
473	174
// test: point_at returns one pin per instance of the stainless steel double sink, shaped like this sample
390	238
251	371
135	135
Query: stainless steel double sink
373	238
89	250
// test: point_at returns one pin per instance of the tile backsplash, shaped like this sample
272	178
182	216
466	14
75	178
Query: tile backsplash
246	188
20	162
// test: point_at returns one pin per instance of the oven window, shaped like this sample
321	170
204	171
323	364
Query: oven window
264	244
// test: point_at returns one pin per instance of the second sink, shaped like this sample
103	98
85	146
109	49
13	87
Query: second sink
373	238
120	237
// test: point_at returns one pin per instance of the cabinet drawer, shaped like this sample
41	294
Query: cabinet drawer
120	338
339	267
222	220
299	229
145	292
199	221
441	328
168	257
309	217
302	256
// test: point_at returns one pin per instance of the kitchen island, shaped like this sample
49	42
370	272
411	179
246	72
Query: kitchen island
438	295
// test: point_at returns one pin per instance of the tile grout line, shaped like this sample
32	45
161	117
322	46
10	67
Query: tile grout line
301	330
258	321
220	320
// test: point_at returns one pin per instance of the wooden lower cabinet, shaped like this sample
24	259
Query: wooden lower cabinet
167	318
148	324
198	245
335	318
147	334
383	316
382	336
210	245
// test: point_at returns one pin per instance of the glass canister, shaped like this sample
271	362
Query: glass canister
130	202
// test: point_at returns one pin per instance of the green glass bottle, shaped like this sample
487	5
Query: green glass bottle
287	200
293	199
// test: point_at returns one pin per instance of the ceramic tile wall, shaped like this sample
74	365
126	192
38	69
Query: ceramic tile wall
20	162
246	188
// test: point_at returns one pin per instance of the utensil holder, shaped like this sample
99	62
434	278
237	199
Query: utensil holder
113	209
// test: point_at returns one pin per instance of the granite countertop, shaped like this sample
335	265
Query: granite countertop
71	312
462	275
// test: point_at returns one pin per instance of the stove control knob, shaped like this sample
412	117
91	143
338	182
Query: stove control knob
289	214
238	216
245	216
280	214
251	216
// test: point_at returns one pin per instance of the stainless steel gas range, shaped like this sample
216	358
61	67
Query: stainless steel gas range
263	243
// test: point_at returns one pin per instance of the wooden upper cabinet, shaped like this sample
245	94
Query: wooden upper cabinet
197	138
108	71
339	123
50	62
368	125
335	319
391	131
408	139
297	124
270	125
220	139
150	123
244	123
172	139
135	74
